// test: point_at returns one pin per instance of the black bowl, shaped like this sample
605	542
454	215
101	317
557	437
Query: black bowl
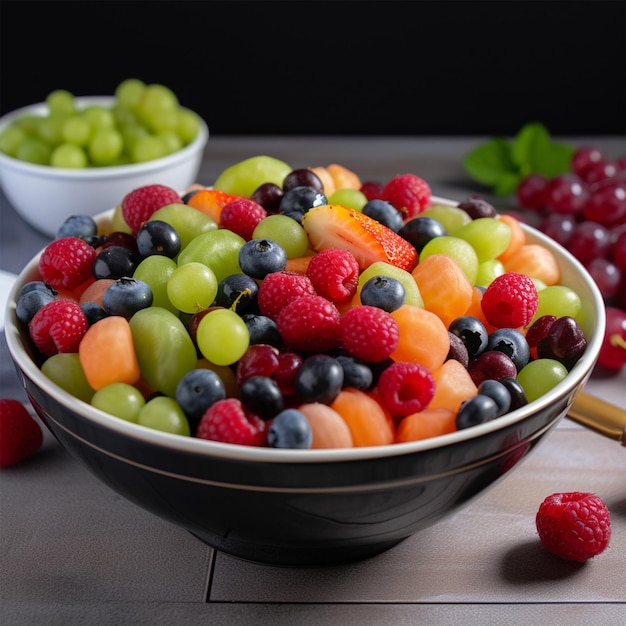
303	507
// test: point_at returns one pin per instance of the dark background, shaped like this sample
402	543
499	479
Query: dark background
386	68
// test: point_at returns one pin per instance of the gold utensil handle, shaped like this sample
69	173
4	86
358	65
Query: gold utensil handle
605	418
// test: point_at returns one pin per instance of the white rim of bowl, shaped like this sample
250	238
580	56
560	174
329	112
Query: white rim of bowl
570	385
94	173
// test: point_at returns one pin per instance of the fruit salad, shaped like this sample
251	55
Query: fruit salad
301	308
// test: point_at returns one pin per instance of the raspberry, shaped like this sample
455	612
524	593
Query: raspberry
241	216
575	526
372	190
229	422
20	434
510	301
139	204
280	288
334	274
309	324
58	326
66	263
410	194
368	333
406	388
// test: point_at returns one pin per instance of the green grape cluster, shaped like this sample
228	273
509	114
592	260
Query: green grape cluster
144	122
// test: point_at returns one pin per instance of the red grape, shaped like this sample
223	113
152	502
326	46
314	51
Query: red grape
584	157
566	193
613	351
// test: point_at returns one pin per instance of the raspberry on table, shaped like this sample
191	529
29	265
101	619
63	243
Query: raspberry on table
575	526
280	288
334	274
66	263
58	326
242	216
368	333
309	324
228	421
139	204
409	193
510	301
20	434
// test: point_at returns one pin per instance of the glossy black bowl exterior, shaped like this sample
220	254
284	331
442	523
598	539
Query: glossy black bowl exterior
295	507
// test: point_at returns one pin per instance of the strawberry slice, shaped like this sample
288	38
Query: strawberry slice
211	202
336	226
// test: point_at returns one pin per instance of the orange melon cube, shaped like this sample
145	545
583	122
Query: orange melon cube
425	424
453	385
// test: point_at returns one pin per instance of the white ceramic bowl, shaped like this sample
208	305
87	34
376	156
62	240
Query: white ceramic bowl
45	196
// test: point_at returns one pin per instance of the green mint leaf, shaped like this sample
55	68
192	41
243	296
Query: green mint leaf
553	159
490	161
532	139
507	185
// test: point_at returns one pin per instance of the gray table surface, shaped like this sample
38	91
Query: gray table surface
74	552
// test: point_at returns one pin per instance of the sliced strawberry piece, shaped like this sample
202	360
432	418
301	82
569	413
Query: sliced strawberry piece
336	226
211	202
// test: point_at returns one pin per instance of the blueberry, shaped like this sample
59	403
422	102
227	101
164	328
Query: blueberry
93	312
518	395
196	391
383	292
239	292
114	262
476	410
81	226
472	332
262	396
290	429
319	379
262	329
420	230
189	195
385	213
512	343
31	298
126	296
298	200
355	373
498	392
158	237
260	257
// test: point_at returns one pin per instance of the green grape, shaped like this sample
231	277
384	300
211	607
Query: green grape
458	249
131	133
76	130
118	224
192	287
452	218
61	102
171	141
65	370
285	231
119	399
222	337
147	148
155	270
488	236
34	151
99	117
164	348
559	301
162	413
243	178
187	221
123	117
217	249
11	139
69	156
487	271
50	129
105	147
29	124
351	198
129	92
157	108
188	126
540	376
380	268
